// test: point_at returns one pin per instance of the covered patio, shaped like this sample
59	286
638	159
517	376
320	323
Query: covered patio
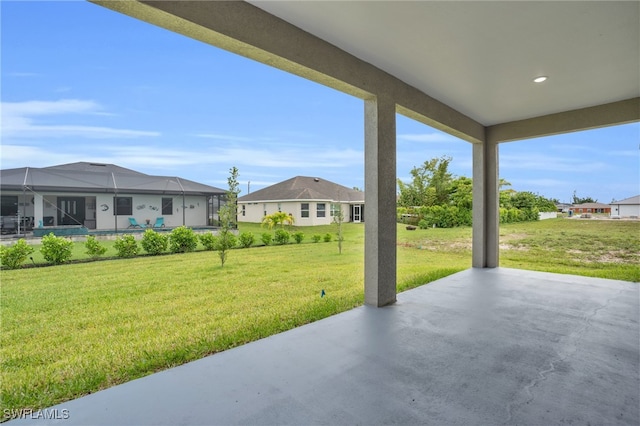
484	346
487	345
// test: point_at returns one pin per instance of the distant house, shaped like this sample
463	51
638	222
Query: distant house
629	207
591	208
103	196
310	200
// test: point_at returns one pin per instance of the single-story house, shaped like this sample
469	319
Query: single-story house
591	208
629	207
310	201
103	197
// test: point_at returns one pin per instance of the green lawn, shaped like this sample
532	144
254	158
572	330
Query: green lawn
74	329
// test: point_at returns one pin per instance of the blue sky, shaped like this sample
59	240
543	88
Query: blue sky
83	83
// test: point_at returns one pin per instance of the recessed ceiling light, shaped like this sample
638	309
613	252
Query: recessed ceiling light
540	79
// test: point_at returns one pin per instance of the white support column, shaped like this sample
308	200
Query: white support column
38	210
486	211
380	190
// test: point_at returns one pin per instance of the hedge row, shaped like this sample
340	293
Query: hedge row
453	216
58	250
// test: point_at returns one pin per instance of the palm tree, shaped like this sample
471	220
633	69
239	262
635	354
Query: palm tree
278	218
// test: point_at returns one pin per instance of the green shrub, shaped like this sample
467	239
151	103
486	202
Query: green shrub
298	237
246	239
56	250
327	237
94	248
423	224
266	238
316	238
226	240
126	246
282	237
209	241
182	240
13	256
153	242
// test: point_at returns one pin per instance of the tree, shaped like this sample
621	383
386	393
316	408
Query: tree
462	192
578	200
430	185
228	215
338	219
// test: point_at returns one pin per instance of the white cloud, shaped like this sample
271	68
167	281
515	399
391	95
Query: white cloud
21	74
158	157
63	106
19	120
427	137
229	138
541	162
543	182
623	153
14	156
283	157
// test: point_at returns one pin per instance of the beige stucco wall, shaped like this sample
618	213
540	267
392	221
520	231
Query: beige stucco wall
255	212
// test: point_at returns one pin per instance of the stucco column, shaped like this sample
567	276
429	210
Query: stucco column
38	209
486	212
380	190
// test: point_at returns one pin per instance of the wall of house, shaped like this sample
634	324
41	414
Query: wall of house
625	210
250	212
579	210
255	212
99	209
149	206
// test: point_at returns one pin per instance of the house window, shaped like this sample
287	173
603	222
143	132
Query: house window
123	206
304	210
335	209
264	207
279	207
243	209
321	210
9	205
167	206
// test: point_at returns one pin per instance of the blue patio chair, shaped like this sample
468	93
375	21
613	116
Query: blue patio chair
159	222
133	223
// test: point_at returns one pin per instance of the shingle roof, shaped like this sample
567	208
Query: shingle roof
94	177
630	200
304	188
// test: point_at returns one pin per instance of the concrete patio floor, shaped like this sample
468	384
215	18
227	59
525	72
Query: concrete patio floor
481	347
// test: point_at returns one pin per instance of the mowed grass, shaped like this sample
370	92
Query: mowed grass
588	247
74	329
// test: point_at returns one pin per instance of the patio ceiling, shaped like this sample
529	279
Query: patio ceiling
463	67
480	58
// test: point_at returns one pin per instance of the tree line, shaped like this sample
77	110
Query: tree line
435	197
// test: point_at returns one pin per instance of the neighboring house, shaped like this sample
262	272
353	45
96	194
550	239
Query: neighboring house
591	208
104	197
629	207
311	201
563	207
